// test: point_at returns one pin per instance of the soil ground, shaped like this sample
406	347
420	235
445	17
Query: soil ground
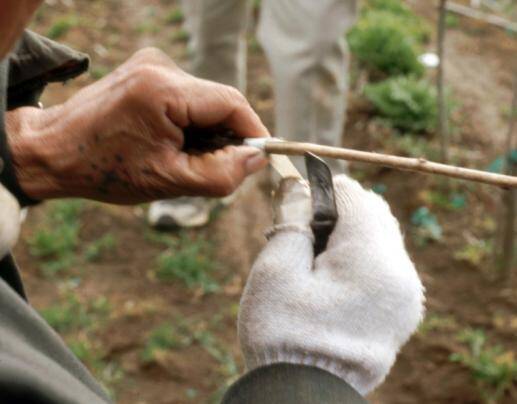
462	291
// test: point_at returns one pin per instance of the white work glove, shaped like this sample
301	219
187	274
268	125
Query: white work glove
348	311
9	221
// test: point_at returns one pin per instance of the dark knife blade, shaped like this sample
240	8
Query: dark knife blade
324	210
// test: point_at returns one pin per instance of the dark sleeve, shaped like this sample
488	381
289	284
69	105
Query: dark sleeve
35	62
284	383
36	367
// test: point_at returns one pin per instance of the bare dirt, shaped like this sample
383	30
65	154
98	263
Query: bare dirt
460	294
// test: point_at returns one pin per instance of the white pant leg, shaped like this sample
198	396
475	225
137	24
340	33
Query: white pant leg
217	43
305	44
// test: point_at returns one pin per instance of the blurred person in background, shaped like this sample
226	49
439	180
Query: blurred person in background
304	41
312	330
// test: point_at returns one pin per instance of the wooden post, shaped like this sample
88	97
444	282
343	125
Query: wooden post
443	124
506	250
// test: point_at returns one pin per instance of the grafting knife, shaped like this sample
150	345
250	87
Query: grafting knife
324	211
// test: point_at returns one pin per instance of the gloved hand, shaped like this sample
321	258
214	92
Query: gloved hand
9	221
348	311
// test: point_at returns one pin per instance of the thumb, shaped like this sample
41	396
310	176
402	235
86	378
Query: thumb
218	173
289	249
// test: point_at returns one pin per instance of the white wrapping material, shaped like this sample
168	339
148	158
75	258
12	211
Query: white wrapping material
9	221
351	309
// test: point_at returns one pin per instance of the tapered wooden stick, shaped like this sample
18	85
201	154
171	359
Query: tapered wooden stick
275	146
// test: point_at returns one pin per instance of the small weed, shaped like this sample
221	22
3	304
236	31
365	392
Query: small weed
453	202
163	338
175	16
254	45
109	373
256	5
190	262
413	146
180	35
379	188
73	314
61	27
437	322
148	27
452	20
405	103
95	249
55	243
494	369
98	72
475	252
427	226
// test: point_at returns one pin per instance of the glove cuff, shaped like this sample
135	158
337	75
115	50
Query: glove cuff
363	374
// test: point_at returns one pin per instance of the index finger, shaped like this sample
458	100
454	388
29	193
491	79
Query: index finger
216	104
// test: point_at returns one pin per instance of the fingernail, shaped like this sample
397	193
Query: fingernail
255	162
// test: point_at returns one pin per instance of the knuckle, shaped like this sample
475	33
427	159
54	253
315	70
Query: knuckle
225	186
236	96
151	54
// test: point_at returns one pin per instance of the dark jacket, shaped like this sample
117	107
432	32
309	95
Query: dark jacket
35	364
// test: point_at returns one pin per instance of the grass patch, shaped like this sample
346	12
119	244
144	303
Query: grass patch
175	16
92	356
98	72
188	260
163	338
72	314
180	35
493	368
95	249
56	241
61	26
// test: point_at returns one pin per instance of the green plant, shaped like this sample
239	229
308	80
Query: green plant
109	373
414	26
98	72
498	165
453	202
492	367
393	6
55	242
163	338
175	16
475	252
148	27
452	20
190	261
381	44
72	314
426	224
406	103
180	35
414	146
437	322
95	249
61	27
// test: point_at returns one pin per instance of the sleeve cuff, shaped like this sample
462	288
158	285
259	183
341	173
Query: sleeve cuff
288	384
8	176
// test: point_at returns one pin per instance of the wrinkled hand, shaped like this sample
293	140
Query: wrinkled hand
349	310
120	139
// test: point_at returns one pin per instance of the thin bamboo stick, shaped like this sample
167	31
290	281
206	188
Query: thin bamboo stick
480	15
397	162
443	124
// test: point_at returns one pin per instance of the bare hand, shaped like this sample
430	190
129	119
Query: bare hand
120	139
